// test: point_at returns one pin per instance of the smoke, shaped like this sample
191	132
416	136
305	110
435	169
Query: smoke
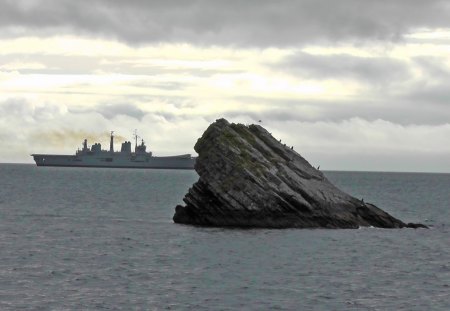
65	137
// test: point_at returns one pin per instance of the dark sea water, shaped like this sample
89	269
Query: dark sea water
103	239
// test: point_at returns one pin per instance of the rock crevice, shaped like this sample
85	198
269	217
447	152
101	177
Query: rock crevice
250	179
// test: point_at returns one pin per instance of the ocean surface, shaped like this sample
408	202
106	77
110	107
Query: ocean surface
103	239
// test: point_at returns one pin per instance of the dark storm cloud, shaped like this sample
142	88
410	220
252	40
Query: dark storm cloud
232	22
369	69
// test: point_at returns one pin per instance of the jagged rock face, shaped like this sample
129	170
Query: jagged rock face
249	179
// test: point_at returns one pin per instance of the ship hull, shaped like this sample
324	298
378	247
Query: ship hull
148	162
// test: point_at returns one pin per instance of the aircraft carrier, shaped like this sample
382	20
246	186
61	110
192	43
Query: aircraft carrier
94	156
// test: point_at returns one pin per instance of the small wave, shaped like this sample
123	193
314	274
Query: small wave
42	215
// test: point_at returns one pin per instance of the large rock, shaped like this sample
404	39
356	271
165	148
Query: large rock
250	179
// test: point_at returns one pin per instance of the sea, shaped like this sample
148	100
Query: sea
104	239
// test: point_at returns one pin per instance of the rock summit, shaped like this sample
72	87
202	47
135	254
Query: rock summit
250	179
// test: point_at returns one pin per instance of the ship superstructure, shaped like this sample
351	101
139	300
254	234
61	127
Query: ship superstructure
94	156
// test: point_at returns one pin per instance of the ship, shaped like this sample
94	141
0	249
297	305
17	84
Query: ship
94	156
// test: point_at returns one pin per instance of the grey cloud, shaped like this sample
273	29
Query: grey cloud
74	64
432	90
371	70
433	67
157	70
53	64
433	96
233	22
109	111
169	86
22	109
399	110
15	106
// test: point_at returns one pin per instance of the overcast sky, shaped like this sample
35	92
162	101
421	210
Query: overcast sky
351	84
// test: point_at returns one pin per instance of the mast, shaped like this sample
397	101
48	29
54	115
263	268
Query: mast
111	143
135	139
85	145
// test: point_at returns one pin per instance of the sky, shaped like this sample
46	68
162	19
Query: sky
351	84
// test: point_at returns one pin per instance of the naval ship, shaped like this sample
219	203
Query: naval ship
125	158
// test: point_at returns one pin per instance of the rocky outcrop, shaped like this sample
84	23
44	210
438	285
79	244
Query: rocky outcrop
250	179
